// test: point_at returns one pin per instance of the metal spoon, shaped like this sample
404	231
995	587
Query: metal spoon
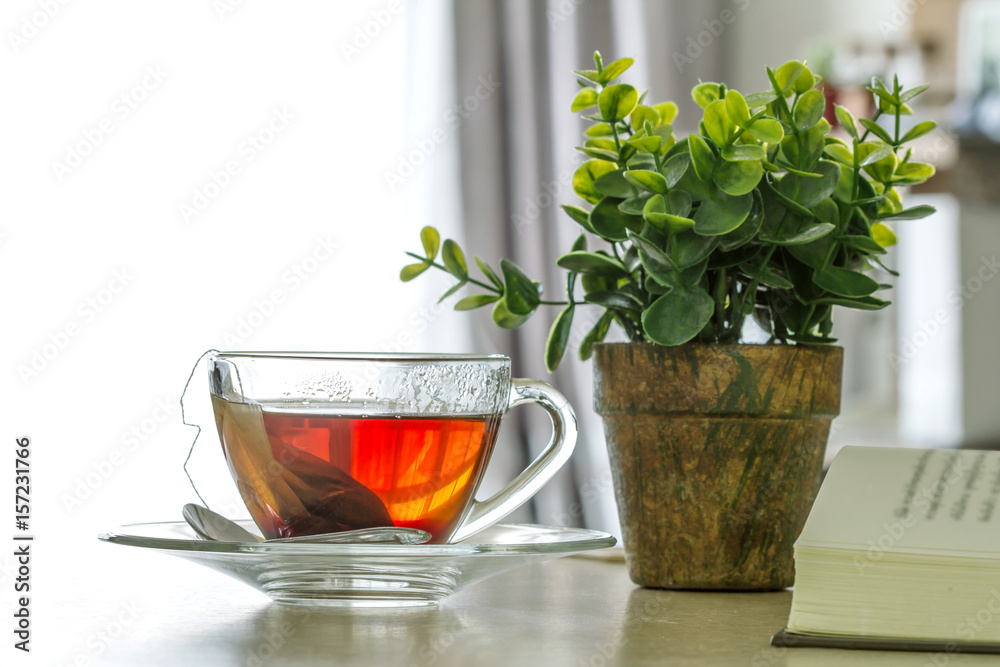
212	526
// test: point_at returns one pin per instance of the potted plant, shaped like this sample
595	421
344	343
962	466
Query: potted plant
716	447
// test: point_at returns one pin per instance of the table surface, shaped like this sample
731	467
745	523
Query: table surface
138	608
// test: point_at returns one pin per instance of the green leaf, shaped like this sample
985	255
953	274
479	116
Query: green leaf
454	260
846	120
738	178
804	81
613	184
809	109
871	152
744	253
595	335
808	192
705	93
737	109
667	111
883	235
678	203
591	74
580	244
802	151
520	294
659	214
908	95
411	271
586	174
617	102
718	124
767	275
746	231
580	216
860	303
555	346
454	288
614	70
598	153
691	248
743	152
675	167
804	234
615	299
915	213
476	301
678	316
598	130
702	157
787	75
610	223
592	263
844	282
505	319
721	214
654	259
865	244
767	130
877	130
488	272
651	181
911	173
840	153
641	114
635	205
761	99
646	144
586	98
431	240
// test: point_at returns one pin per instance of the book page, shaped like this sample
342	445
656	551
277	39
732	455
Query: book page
917	501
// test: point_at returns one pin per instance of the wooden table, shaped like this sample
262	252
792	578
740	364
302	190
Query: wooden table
574	612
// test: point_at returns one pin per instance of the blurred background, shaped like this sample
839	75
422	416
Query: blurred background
247	175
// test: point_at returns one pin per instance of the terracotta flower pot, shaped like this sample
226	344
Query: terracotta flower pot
716	453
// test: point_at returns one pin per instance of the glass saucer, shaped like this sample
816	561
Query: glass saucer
365	575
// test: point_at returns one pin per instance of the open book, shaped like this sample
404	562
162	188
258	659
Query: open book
901	550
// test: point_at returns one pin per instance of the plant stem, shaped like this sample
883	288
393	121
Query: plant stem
491	288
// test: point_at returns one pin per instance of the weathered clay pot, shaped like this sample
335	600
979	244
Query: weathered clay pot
716	454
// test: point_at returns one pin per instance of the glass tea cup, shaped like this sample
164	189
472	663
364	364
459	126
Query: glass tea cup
324	442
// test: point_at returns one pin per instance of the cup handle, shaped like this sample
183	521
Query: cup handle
484	514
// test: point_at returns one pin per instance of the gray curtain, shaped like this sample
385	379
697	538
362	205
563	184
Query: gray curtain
516	155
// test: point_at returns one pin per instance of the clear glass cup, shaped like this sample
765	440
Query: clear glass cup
322	442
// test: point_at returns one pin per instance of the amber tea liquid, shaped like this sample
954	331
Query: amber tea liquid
343	472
